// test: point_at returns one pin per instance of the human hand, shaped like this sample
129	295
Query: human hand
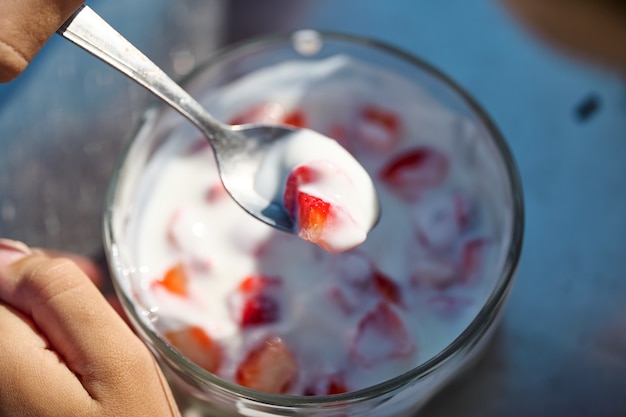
25	26
594	30
64	350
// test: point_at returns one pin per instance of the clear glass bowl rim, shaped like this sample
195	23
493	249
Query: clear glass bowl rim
478	325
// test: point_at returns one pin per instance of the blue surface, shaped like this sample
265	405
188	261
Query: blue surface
562	347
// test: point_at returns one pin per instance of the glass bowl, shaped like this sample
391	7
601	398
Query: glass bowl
472	136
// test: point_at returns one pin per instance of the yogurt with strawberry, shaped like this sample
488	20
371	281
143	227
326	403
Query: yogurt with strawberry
327	192
273	312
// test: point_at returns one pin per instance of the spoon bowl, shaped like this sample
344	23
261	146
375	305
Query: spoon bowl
239	150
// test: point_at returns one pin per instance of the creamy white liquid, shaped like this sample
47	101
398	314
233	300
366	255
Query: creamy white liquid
182	216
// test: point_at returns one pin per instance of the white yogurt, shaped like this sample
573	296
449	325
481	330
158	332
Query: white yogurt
340	181
347	320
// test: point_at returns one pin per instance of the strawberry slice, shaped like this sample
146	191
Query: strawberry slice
174	280
256	301
216	192
330	384
387	288
269	367
378	128
302	174
259	309
381	336
312	216
257	283
358	280
415	170
296	118
197	346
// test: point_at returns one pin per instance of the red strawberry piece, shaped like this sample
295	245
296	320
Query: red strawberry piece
174	280
216	192
378	128
256	301
381	336
415	170
330	384
312	216
259	309
302	174
295	118
359	281
269	367
472	258
257	283
197	346
387	288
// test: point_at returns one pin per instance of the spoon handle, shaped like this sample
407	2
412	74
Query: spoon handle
88	30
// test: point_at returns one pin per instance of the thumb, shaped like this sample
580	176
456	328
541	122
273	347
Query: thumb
25	26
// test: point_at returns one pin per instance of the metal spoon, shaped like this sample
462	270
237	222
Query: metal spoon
238	150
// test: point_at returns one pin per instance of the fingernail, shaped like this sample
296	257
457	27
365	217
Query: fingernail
12	250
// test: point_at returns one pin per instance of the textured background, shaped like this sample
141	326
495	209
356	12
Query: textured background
561	349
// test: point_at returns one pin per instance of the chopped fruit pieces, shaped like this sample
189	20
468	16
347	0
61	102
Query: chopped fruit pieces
360	282
303	174
296	118
327	385
381	336
174	280
197	346
416	170
269	367
312	216
257	301
387	288
259	309
378	129
216	193
327	323
258	283
327	204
